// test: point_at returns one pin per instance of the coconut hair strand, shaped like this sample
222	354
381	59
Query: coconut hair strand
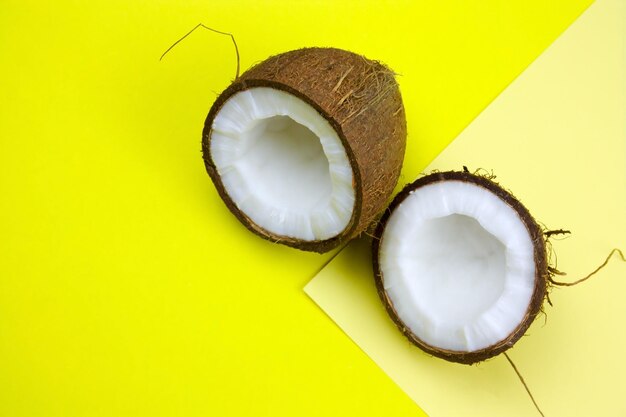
554	271
521	378
201	25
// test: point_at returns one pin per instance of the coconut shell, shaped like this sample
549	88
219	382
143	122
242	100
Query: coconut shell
360	99
541	268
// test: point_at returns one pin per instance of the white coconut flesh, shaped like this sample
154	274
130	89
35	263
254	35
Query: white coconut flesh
457	264
283	165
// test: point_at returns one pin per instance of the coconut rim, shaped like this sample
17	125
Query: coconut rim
539	254
319	246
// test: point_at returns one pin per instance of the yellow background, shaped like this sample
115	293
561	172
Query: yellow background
126	287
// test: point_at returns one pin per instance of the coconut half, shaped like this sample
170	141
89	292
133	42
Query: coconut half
460	266
306	147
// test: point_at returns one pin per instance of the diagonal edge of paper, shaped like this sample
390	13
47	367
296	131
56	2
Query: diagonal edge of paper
556	137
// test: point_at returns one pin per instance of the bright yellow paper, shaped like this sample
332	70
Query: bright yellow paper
555	137
126	286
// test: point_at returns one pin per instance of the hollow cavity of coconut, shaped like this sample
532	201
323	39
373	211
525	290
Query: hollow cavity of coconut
460	266
306	147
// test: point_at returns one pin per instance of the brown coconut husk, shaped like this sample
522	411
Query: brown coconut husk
541	267
360	99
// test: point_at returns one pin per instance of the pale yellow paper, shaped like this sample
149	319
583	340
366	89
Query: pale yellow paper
556	138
